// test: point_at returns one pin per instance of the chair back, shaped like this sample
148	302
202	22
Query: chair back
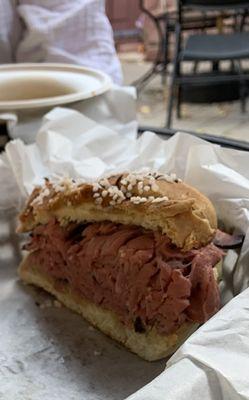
211	5
215	4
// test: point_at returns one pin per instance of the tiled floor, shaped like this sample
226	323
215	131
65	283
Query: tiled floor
224	119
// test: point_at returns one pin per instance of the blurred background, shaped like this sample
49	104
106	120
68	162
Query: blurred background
145	40
188	59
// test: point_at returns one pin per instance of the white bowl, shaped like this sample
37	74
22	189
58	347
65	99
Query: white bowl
33	86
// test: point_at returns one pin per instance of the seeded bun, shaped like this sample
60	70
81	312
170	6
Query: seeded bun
153	201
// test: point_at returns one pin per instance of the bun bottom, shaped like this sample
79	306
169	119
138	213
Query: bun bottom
150	345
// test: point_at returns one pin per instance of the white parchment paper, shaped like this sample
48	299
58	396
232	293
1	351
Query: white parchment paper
214	362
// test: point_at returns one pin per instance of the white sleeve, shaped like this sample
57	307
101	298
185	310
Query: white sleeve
63	31
10	30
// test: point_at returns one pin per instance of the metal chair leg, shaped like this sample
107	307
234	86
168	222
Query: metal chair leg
170	104
172	93
175	73
165	48
179	102
243	93
142	81
195	67
216	66
242	87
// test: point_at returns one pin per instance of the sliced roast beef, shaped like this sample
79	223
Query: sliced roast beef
226	241
137	273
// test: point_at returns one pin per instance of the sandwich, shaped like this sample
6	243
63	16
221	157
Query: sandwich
132	253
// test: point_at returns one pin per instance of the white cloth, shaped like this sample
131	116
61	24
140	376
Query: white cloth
10	30
64	31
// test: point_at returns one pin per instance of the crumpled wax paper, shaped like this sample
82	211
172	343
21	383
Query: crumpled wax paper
213	363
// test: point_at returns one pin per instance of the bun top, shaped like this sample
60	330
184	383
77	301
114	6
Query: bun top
153	200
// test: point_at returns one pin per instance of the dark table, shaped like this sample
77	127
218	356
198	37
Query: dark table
4	137
222	141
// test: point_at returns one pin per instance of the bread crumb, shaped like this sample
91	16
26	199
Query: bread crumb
46	304
57	304
91	328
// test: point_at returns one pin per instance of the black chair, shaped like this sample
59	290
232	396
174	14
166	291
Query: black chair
209	47
165	24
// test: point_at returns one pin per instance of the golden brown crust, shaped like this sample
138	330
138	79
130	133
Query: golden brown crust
150	345
159	203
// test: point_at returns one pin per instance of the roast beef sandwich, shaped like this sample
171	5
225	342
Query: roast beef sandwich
132	253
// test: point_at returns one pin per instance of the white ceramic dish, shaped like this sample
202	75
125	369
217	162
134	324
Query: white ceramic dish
29	86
